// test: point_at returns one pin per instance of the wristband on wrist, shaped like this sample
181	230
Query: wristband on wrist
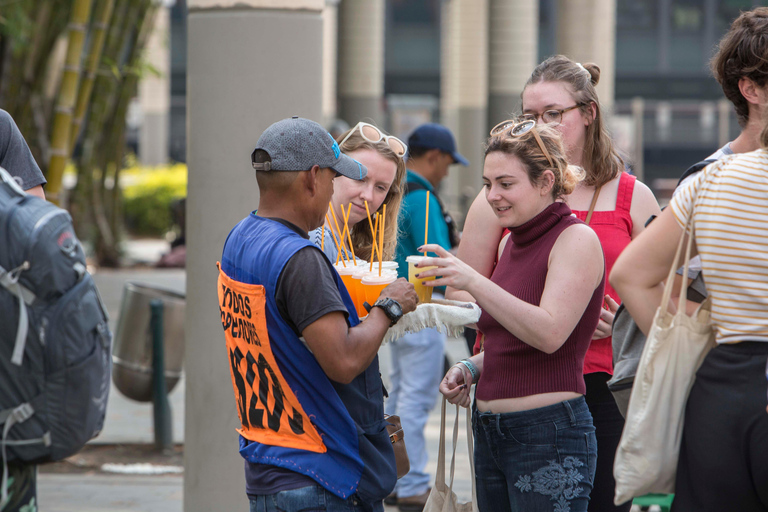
472	369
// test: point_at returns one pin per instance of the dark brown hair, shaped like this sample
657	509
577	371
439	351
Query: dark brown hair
743	53
601	161
527	150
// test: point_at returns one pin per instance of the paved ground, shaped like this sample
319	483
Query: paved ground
130	422
101	493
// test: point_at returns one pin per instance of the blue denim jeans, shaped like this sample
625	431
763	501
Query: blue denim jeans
310	499
417	368
538	460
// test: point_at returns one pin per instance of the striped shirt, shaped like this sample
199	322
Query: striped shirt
730	220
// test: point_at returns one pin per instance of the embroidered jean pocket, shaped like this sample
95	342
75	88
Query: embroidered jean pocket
541	434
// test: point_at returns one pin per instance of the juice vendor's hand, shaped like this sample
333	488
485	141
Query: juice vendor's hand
453	271
403	292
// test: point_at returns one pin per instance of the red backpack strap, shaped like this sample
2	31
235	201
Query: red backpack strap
626	188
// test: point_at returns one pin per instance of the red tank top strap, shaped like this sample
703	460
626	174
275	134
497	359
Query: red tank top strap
624	194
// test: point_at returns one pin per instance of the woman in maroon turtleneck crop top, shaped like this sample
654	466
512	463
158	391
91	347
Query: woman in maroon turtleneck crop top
540	309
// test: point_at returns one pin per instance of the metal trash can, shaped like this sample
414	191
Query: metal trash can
132	351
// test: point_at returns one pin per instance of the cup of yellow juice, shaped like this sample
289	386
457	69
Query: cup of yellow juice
424	292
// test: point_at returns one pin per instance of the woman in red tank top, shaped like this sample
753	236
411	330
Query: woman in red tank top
562	92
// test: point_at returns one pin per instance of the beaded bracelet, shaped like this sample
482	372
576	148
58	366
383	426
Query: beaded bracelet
472	369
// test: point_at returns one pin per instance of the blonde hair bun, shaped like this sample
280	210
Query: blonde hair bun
572	175
594	72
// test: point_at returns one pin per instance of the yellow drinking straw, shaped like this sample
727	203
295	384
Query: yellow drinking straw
341	239
426	222
346	228
373	233
322	238
333	235
375	246
381	235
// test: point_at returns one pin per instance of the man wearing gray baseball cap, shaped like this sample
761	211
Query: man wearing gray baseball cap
304	368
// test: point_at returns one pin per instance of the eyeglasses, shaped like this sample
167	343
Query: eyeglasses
374	135
550	116
517	129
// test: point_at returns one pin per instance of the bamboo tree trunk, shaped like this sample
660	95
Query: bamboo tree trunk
100	25
102	99
63	116
106	202
105	85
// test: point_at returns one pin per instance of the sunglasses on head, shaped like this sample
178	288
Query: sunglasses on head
516	129
374	135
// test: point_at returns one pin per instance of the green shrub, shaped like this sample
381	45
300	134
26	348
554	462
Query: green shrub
147	197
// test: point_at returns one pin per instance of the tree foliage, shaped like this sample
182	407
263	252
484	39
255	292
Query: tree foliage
68	71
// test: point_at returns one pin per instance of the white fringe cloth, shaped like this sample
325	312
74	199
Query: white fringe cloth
447	316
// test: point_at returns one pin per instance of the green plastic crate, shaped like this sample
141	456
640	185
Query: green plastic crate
662	500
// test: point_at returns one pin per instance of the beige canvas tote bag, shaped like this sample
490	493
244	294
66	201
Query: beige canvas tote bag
442	498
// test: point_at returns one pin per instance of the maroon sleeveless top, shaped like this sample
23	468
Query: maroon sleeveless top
511	367
614	229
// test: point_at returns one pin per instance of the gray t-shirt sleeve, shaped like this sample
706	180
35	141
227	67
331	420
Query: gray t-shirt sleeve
15	156
306	289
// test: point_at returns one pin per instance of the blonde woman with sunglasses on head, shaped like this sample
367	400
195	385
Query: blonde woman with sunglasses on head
383	156
534	438
561	93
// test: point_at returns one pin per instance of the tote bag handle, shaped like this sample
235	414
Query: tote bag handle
440	480
671	277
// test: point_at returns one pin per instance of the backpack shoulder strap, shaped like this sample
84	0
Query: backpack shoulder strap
412	186
695	168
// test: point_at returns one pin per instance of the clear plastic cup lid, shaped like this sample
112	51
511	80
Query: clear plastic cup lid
364	271
344	271
415	259
374	278
391	265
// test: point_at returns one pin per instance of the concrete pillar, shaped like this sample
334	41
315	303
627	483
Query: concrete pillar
586	32
250	63
330	59
464	93
361	61
155	94
513	51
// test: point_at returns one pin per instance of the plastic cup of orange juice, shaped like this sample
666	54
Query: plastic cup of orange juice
357	285
346	277
424	292
373	284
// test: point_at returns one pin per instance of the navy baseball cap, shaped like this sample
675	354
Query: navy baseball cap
297	144
436	136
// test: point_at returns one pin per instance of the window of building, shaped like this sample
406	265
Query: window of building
637	41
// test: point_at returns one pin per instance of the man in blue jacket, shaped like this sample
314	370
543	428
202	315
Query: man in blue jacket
304	368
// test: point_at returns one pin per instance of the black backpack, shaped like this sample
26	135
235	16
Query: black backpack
55	343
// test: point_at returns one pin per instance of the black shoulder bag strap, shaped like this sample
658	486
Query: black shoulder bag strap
453	234
695	168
